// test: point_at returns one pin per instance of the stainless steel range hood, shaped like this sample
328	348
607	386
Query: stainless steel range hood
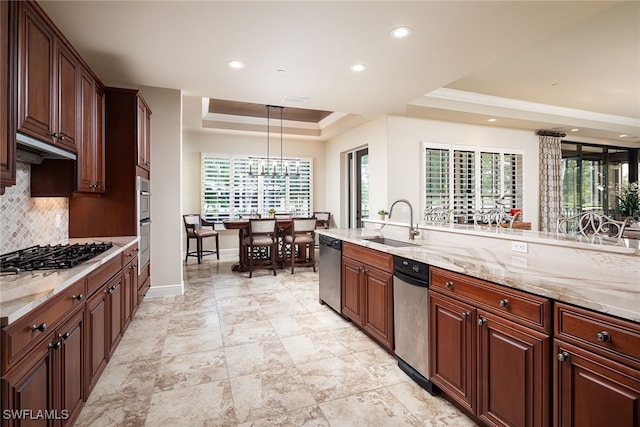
30	150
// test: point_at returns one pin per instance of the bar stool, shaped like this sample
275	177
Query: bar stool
261	234
302	237
193	224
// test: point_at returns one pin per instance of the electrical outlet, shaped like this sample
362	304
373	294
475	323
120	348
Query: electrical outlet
519	247
58	221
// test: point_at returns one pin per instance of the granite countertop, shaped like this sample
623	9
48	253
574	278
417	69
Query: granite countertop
21	293
604	281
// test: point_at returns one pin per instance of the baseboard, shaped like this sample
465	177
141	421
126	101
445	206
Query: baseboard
165	290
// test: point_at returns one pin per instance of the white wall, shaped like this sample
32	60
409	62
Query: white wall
395	147
373	135
166	178
196	142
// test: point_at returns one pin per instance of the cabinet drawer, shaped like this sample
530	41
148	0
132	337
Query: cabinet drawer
98	277
130	253
519	306
611	337
372	257
17	337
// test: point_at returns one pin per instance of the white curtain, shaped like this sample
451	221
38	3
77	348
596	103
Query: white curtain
550	180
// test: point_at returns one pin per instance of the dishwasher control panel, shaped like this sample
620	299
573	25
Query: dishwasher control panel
411	268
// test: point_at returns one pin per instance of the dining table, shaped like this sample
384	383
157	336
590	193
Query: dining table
282	225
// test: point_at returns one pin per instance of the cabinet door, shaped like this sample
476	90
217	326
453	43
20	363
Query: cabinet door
513	373
142	135
66	95
378	307
98	139
7	99
30	386
130	292
96	339
592	391
86	144
35	68
115	295
452	358
352	296
71	355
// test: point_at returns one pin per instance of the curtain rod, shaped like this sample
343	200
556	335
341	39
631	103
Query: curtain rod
550	133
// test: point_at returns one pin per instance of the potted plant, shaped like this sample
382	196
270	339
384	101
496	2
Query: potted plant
629	201
272	212
382	213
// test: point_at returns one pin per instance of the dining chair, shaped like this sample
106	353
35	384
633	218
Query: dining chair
300	241
261	242
323	217
592	223
193	224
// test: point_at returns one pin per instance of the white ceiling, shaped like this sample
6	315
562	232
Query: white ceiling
464	61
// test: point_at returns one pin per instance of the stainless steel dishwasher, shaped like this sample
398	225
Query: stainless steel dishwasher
331	271
411	319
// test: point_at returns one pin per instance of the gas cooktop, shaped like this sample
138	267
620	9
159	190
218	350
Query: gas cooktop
50	257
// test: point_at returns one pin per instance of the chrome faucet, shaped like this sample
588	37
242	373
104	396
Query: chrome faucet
413	232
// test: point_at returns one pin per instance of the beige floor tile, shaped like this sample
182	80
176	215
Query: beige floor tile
269	394
310	416
336	377
205	404
191	369
251	358
296	324
314	346
249	331
382	365
191	341
370	408
432	411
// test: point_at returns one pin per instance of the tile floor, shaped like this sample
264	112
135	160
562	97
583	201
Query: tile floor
234	351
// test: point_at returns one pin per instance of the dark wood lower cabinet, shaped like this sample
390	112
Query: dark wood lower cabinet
483	357
54	365
367	291
513	373
594	391
97	352
47	388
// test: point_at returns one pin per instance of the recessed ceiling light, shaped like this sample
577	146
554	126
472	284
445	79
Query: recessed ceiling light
400	32
623	135
491	120
575	130
358	67
299	99
235	64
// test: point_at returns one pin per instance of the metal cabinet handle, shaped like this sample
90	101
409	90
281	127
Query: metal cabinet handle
603	336
563	356
449	284
64	336
482	321
358	269
41	327
365	271
57	135
146	163
504	303
55	345
78	297
466	314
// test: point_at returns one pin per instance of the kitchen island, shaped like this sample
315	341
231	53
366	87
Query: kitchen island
524	328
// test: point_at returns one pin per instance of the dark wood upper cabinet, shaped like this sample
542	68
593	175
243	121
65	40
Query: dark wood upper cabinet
7	97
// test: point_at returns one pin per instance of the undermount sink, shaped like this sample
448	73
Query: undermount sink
389	242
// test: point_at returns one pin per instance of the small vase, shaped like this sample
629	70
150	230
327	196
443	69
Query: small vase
382	217
272	215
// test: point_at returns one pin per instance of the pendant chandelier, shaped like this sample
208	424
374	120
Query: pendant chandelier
269	167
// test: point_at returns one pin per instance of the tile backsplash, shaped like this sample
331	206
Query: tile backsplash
27	221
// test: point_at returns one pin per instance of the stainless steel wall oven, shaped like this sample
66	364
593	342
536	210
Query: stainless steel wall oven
143	189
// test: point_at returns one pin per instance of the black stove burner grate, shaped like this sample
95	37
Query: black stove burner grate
51	257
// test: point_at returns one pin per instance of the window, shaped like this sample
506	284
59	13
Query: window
592	176
232	186
468	179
